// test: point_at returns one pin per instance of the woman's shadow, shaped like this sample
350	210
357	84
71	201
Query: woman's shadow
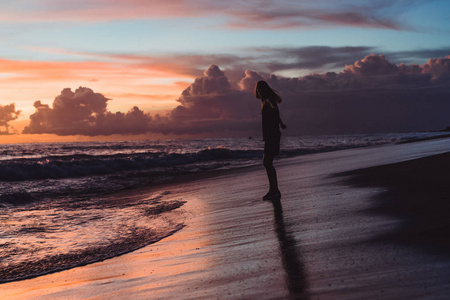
292	262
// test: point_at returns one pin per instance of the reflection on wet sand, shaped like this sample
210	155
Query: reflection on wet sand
292	260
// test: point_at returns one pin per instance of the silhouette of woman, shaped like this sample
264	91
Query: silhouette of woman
271	123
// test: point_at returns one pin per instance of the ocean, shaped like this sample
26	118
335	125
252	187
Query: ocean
69	204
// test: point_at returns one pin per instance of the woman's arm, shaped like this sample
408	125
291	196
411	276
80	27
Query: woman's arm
277	110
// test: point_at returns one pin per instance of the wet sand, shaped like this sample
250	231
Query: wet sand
337	233
418	191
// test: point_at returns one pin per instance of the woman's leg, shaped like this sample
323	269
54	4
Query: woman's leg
270	170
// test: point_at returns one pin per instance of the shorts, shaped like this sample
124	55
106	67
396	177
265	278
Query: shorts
272	144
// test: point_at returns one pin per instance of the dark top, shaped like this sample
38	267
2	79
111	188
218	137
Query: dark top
270	122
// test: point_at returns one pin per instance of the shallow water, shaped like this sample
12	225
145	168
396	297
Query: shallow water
46	237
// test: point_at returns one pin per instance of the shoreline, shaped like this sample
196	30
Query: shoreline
245	245
443	136
194	176
182	178
84	263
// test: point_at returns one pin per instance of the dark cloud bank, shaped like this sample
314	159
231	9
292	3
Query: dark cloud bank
371	95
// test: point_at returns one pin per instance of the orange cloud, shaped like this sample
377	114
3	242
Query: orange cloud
84	112
100	10
33	70
23	82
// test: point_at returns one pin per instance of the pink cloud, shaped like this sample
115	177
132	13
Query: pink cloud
298	17
439	68
210	105
372	65
84	112
313	14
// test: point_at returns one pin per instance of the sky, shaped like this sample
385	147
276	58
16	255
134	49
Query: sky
120	69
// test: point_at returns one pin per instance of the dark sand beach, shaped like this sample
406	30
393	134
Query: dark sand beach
368	223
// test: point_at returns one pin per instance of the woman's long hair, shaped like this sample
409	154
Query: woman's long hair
264	92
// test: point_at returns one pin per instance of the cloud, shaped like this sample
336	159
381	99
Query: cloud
27	75
369	95
439	68
8	113
98	10
210	105
313	58
311	14
84	112
114	77
264	59
372	65
54	70
259	14
413	56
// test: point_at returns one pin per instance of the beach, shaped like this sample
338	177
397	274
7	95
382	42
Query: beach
366	223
